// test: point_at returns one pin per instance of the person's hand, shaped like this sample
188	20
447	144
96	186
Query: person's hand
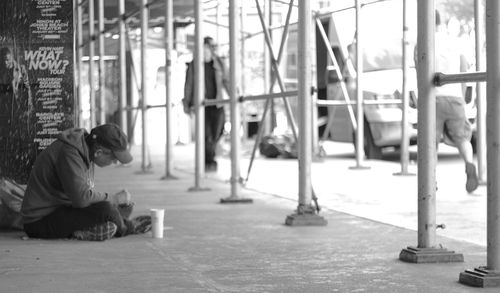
121	197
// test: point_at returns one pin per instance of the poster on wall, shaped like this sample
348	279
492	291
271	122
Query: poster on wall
36	80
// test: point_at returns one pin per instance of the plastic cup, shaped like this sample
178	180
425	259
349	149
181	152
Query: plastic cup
157	216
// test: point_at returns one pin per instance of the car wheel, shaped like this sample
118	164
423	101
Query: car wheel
372	151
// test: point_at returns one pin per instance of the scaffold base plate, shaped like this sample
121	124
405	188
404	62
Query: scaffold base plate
236	199
305	220
480	277
429	255
194	189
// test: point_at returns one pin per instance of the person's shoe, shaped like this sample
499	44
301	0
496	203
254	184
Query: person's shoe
139	225
211	167
99	232
472	181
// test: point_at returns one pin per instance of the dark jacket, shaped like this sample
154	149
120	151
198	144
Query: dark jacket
61	176
221	82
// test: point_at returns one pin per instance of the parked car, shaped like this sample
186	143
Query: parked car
382	80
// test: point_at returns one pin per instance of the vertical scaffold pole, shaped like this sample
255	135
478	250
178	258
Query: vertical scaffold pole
426	250
267	124
493	137
144	93
91	65
426	127
306	213
489	276
480	97
123	66
102	70
199	94
169	48
234	89
405	154
359	91
79	46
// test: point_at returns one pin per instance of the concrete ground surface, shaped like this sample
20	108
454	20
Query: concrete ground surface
213	247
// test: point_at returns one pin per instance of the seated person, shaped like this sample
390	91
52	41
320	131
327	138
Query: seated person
60	200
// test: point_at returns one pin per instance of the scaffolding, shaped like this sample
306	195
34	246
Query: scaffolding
307	212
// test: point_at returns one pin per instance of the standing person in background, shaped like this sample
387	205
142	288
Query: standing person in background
215	82
451	120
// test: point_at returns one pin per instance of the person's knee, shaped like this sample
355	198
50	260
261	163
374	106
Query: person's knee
102	206
104	211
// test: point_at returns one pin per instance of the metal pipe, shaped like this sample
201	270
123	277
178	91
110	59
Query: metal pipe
276	71
405	155
305	104
91	65
327	103
123	67
493	138
251	98
199	94
480	97
317	151
442	78
359	87
427	153
144	94
102	76
125	17
243	12
79	40
267	124
339	72
327	12
234	55
269	96
268	103
169	47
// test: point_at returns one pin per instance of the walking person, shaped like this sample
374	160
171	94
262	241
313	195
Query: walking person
451	120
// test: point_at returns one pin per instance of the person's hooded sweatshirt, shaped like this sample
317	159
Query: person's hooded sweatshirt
61	176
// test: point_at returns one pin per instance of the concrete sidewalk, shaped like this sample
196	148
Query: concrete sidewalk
213	247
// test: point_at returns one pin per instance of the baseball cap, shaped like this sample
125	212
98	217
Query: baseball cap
112	137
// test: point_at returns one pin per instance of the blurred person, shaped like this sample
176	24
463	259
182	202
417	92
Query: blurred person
451	120
60	200
16	114
215	82
12	78
11	73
